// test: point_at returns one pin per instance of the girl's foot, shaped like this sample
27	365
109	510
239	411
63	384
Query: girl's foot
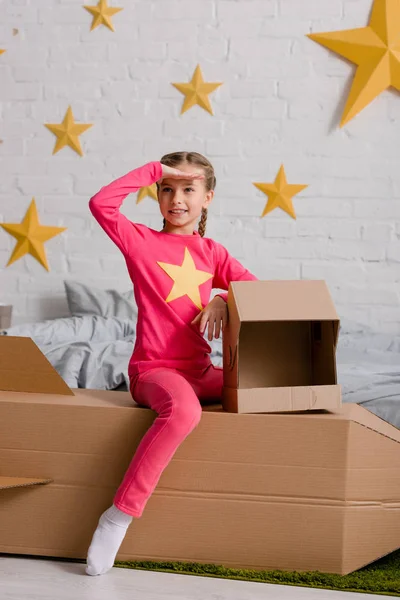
106	540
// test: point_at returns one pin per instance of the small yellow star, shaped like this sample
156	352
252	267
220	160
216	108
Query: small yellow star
186	278
280	194
375	50
30	236
102	14
196	91
2	51
150	190
67	132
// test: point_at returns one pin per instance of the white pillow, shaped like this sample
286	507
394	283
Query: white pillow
86	300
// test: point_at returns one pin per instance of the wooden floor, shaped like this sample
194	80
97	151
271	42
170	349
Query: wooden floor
39	579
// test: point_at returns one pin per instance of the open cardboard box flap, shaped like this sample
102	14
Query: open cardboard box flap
283	301
24	368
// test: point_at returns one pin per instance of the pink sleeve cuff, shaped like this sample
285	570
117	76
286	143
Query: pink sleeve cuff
223	295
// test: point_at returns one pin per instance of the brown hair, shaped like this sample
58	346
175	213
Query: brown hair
198	160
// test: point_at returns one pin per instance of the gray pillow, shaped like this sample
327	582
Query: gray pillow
86	300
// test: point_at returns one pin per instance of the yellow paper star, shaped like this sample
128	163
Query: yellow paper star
30	236
196	91
67	132
150	190
102	14
186	278
374	49
280	194
2	51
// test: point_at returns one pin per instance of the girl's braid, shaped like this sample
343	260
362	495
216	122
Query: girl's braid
203	222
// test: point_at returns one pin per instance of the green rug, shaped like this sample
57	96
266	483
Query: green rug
381	577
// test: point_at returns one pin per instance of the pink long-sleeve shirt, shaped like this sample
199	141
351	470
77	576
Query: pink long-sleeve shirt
172	275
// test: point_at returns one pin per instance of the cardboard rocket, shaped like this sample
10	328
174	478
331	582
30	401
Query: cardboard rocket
313	490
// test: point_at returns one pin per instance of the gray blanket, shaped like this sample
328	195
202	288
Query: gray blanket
91	351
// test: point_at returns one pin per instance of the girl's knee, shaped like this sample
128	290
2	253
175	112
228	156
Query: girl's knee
186	416
173	398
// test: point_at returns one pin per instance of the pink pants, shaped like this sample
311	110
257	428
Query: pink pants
176	398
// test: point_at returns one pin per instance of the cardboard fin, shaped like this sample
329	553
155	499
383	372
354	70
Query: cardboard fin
363	416
7	483
24	368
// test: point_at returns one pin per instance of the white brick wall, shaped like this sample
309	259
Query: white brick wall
280	103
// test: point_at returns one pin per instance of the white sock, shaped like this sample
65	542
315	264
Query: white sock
106	540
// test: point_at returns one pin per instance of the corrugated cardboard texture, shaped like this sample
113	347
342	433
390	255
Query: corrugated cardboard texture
298	491
283	399
279	347
14	482
23	368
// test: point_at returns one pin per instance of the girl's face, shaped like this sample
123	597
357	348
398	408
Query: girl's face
181	201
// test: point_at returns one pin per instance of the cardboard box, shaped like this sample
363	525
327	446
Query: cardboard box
310	491
279	347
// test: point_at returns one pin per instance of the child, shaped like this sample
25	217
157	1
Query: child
170	371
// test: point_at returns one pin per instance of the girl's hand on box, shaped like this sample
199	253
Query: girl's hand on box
215	314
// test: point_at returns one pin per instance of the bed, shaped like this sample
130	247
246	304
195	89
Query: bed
92	347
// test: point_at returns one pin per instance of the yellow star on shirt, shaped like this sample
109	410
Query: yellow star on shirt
280	194
150	190
196	91
67	132
375	49
30	236
102	14
186	278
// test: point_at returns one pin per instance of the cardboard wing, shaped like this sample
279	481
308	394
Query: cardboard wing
7	483
280	347
23	368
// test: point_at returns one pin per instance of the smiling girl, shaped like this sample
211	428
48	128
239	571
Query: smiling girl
173	272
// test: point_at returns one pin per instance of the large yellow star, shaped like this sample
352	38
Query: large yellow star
2	50
186	278
67	132
30	236
196	91
150	190
376	51
280	194
102	14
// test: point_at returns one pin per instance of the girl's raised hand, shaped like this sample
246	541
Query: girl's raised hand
178	174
